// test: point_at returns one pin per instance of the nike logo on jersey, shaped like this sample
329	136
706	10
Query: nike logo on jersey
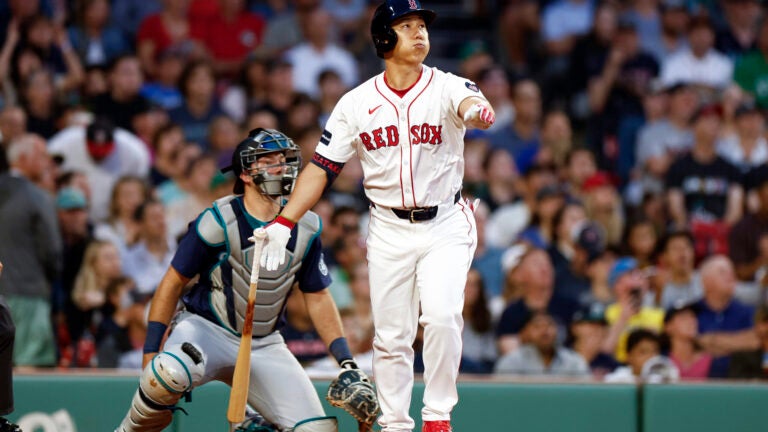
373	110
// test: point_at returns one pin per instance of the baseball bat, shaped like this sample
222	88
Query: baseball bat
238	395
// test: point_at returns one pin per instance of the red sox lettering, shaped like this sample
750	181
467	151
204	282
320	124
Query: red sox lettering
389	136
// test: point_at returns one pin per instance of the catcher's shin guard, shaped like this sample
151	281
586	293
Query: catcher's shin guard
319	424
145	415
165	379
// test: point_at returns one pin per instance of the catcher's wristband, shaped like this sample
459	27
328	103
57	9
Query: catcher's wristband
339	349
155	332
284	221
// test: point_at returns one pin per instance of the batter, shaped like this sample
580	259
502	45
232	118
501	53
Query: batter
204	338
407	126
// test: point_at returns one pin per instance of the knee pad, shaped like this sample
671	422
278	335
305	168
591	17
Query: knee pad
318	424
162	383
172	373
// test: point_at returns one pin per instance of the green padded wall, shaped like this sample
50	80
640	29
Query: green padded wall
96	403
705	407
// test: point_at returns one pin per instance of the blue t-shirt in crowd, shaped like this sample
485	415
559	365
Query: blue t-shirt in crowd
736	317
489	266
514	316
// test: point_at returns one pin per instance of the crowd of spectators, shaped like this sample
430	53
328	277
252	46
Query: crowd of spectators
624	218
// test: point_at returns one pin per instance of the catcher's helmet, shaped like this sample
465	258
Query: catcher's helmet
261	142
384	38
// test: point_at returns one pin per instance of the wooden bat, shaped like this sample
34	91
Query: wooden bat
238	395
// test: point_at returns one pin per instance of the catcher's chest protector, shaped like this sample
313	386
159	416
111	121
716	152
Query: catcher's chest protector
230	279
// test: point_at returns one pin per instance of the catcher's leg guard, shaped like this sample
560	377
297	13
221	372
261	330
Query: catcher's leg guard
320	424
163	382
254	422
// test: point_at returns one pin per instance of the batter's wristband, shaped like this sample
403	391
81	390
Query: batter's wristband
339	349
155	332
282	220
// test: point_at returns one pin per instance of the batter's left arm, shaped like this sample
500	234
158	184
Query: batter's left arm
324	315
477	112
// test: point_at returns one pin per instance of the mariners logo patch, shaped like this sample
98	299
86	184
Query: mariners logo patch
322	267
472	86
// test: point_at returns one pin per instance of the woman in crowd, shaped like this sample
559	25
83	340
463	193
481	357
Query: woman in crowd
38	98
101	264
197	84
540	232
94	39
641	241
681	328
479	353
120	229
121	332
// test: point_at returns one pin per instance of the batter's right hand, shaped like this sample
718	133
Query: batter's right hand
273	254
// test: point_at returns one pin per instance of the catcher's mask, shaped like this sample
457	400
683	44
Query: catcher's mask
384	38
274	180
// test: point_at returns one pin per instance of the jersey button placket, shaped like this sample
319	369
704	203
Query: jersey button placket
405	158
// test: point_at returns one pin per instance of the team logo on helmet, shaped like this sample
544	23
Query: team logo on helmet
412	4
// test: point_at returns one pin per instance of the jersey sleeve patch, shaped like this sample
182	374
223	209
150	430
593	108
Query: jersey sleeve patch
472	86
325	139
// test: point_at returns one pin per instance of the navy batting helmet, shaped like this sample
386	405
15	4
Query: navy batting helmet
261	142
384	38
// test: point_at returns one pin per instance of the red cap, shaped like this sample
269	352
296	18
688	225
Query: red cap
596	180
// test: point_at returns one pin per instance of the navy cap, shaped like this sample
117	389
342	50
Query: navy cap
746	107
590	237
593	313
399	8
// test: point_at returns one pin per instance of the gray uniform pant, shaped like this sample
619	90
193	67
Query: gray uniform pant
280	390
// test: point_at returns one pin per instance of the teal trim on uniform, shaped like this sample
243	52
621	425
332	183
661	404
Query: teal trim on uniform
197	230
313	419
218	264
218	318
252	221
219	219
160	380
314	236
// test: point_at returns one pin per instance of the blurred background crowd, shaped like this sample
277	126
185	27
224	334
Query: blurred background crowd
624	185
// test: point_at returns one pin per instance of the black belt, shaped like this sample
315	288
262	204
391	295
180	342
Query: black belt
421	214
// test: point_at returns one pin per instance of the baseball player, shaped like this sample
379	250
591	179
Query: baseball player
204	337
406	125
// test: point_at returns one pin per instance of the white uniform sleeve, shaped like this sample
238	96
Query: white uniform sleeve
340	136
458	89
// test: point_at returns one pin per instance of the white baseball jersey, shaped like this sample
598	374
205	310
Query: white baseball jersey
411	148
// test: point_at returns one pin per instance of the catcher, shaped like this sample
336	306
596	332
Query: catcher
203	340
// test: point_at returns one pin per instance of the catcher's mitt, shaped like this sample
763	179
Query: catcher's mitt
353	392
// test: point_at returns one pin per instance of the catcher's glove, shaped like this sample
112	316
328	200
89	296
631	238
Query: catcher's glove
353	392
